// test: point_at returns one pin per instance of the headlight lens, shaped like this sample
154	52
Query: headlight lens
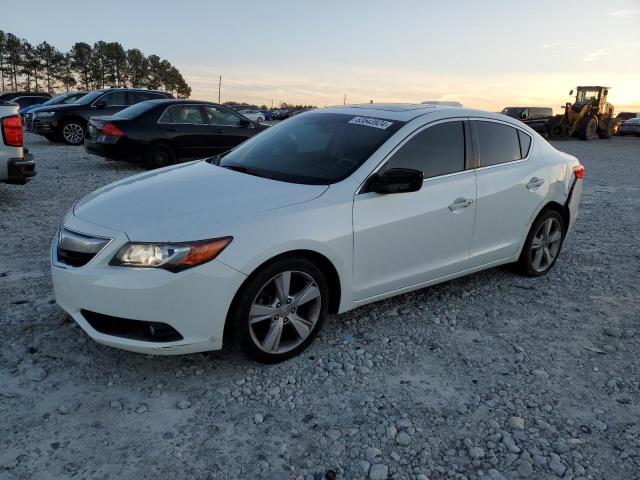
44	114
174	257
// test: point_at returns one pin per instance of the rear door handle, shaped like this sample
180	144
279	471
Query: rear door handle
459	203
535	182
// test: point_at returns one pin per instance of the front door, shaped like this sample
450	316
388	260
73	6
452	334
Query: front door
402	240
227	128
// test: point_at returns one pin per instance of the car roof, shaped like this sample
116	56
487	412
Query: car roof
173	101
405	112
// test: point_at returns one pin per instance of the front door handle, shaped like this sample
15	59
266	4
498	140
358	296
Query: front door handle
459	203
535	182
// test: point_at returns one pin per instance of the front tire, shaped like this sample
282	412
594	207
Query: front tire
543	244
588	128
158	156
72	132
280	310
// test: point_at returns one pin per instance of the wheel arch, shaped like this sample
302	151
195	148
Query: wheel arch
77	118
321	261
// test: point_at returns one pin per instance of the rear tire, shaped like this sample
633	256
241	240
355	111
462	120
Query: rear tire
543	244
72	132
158	156
588	128
280	310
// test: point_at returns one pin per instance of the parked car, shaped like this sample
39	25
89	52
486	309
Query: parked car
268	114
62	99
29	101
535	117
630	127
161	132
6	96
330	210
253	115
16	163
69	122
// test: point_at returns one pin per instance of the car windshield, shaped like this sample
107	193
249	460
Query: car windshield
62	99
134	110
315	148
90	97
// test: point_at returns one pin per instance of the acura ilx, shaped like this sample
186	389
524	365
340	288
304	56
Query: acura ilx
327	211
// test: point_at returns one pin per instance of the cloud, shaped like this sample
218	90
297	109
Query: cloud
624	13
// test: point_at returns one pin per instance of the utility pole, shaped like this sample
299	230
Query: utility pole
344	100
219	87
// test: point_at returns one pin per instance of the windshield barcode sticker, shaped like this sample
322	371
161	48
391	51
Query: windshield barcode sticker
371	122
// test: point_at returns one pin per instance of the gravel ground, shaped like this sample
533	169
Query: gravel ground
492	376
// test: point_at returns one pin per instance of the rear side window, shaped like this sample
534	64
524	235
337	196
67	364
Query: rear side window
437	150
497	143
137	97
183	114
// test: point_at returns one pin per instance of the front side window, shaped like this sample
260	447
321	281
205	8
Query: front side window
222	116
185	114
316	148
497	143
437	150
114	99
588	96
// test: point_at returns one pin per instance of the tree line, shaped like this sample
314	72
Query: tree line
43	67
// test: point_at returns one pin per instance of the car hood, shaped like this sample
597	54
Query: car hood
59	108
186	202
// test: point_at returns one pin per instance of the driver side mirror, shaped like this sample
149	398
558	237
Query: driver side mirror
523	115
396	180
101	104
606	92
570	92
244	122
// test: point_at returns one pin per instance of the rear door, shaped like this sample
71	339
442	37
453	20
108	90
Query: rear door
512	183
402	240
227	128
186	128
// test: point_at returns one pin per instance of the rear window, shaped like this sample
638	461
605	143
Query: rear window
135	110
314	148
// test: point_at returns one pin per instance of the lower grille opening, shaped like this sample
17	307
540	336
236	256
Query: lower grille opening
131	329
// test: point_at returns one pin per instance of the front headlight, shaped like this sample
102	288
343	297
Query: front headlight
174	257
44	114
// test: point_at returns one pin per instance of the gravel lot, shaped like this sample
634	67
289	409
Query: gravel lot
492	376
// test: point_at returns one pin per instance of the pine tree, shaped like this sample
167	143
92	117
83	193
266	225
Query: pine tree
80	61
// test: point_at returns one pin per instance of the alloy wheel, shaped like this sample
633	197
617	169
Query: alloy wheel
73	133
545	245
285	312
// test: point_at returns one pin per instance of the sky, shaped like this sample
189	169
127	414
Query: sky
485	54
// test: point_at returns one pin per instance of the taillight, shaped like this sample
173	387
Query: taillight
111	130
12	131
578	171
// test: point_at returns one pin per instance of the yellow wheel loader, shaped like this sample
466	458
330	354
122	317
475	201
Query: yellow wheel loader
588	116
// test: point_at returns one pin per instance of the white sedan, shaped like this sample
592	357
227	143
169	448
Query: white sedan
333	209
253	115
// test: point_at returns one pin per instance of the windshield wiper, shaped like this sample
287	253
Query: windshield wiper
242	169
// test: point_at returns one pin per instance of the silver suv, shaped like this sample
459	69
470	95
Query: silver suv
16	163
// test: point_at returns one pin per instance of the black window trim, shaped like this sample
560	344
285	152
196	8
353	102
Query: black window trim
469	150
476	145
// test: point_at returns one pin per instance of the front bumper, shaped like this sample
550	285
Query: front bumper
21	170
193	302
41	126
